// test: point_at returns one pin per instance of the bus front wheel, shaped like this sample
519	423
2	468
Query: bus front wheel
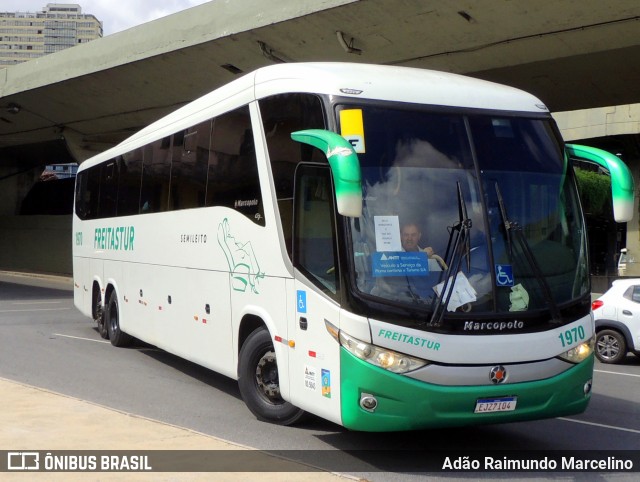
116	335
259	383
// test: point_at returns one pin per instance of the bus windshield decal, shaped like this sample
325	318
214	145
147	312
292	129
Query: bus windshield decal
352	128
387	229
401	263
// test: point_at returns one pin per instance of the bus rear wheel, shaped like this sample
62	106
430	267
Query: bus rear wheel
99	315
259	383
102	324
112	315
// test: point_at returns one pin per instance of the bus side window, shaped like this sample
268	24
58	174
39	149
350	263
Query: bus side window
88	198
129	183
314	227
232	174
281	115
189	166
79	206
156	176
109	189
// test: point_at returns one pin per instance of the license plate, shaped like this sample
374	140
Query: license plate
492	405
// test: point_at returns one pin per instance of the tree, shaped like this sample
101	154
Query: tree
595	192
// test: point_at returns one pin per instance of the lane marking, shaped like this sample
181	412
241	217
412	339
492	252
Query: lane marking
81	338
141	348
35	309
623	429
35	302
617	373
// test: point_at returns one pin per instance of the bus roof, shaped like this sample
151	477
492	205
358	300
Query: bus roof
403	84
359	81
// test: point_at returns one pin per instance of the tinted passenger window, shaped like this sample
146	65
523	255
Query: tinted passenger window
190	158
88	193
210	164
109	190
315	252
129	183
156	176
232	175
282	115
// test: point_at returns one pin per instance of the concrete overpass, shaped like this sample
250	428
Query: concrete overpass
573	54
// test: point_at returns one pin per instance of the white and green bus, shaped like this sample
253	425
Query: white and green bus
262	231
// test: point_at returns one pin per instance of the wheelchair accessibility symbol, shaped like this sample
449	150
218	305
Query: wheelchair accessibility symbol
504	275
301	296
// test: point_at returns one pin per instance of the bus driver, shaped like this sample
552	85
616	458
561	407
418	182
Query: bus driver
410	236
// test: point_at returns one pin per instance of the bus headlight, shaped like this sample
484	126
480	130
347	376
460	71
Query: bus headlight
580	352
381	357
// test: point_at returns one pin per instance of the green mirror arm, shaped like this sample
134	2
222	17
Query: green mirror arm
622	185
344	164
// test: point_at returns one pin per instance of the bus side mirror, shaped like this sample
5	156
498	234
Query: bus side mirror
622	186
345	167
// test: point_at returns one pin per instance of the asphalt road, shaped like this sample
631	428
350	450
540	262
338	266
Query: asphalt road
46	342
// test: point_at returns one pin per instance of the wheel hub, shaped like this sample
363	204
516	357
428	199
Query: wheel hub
267	377
608	347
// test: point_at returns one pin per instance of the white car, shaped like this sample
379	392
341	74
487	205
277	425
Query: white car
617	317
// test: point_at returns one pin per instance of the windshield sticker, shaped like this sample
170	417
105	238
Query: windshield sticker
400	263
519	298
310	377
302	301
504	275
463	292
326	383
241	259
387	233
352	128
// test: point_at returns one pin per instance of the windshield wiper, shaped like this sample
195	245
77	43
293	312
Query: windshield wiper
461	247
505	220
516	229
415	297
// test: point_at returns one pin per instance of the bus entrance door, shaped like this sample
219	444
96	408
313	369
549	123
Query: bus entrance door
314	361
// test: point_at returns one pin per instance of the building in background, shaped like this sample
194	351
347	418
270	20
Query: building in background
29	35
59	171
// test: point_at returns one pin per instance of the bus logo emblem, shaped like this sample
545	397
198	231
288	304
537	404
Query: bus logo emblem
498	374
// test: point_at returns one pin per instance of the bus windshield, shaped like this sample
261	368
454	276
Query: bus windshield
471	211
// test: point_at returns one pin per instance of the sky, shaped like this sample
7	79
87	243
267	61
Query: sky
116	15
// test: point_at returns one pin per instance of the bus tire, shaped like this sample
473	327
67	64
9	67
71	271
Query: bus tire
102	325
112	315
258	381
100	317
